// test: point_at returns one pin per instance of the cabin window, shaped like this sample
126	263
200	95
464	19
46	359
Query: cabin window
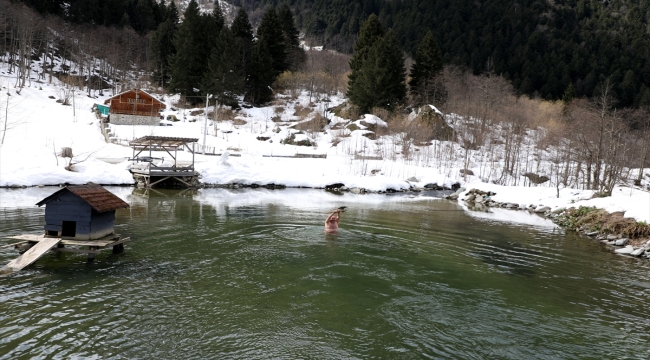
69	228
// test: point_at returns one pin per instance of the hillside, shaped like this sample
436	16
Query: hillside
542	47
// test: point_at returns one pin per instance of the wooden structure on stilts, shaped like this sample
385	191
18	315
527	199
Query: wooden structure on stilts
148	174
78	219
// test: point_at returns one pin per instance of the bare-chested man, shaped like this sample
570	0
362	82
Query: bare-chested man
332	222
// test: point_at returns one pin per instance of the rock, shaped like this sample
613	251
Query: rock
466	171
625	251
355	190
470	197
511	206
612	237
638	252
542	209
459	190
334	186
620	242
452	197
592	233
412	179
536	179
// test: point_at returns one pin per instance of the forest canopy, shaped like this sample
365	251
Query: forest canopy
542	47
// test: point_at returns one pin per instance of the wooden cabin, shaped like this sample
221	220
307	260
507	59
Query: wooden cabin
134	107
82	212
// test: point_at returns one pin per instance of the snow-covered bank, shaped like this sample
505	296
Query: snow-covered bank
634	203
38	127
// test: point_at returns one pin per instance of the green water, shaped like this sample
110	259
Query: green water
251	275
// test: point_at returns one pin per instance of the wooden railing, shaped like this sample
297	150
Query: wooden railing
132	112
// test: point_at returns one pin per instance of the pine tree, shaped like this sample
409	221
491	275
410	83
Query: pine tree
189	63
196	37
242	31
381	79
162	45
270	34
426	85
370	33
259	75
225	76
295	54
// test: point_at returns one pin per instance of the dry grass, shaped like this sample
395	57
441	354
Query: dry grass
225	113
301	112
317	124
238	121
609	223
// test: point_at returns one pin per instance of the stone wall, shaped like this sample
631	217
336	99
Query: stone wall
122	119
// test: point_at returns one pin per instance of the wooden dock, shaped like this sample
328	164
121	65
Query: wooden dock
40	244
31	255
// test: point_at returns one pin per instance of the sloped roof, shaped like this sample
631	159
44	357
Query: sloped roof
146	94
95	195
161	141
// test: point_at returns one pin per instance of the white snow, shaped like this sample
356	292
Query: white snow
38	127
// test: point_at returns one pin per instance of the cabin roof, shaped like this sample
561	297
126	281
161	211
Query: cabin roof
95	195
146	94
161	141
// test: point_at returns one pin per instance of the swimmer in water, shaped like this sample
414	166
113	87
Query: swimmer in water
332	222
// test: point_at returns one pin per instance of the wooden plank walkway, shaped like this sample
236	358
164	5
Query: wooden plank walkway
31	255
105	241
41	244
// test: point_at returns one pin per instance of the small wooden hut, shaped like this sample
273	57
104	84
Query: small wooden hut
82	212
134	107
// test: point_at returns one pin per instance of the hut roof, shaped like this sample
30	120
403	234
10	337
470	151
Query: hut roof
139	92
95	195
161	141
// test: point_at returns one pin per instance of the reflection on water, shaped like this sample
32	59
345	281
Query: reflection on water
251	274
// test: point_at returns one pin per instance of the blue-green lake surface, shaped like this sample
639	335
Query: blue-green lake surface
250	274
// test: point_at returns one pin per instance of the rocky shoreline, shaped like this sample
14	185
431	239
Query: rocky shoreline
621	235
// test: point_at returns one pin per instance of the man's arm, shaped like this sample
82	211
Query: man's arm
330	217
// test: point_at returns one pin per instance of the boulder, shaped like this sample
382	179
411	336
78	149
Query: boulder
542	209
625	251
612	237
412	179
620	242
638	252
334	186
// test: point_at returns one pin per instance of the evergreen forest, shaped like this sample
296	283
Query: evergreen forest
542	47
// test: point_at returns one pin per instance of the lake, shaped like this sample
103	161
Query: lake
250	274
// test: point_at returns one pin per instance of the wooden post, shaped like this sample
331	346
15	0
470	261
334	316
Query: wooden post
118	249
